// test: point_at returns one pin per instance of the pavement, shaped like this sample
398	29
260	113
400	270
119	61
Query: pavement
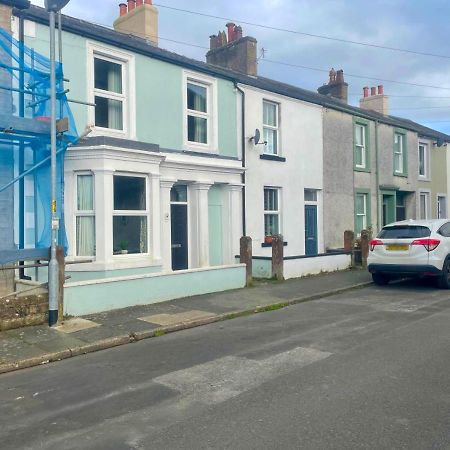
40	345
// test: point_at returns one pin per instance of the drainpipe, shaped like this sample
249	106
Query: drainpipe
377	178
244	222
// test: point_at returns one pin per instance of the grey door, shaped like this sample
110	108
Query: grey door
311	235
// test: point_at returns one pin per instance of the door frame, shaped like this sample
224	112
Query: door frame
188	205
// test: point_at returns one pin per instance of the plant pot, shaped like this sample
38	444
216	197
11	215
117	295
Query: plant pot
268	239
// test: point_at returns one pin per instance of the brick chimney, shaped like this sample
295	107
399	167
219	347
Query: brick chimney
336	87
139	18
234	51
375	101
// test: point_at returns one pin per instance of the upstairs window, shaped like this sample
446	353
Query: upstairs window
271	212
423	161
198	114
270	127
399	154
109	93
361	146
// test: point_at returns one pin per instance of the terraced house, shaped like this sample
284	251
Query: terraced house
378	168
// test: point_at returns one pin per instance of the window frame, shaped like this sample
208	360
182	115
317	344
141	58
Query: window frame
272	212
133	213
128	96
83	213
211	115
443	196
275	128
365	167
427	195
426	175
404	154
367	206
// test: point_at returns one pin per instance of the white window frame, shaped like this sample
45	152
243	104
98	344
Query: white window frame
401	153
80	213
427	196
273	212
426	175
128	96
438	209
271	127
362	147
134	213
364	214
211	115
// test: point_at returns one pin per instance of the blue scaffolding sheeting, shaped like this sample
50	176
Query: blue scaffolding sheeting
25	197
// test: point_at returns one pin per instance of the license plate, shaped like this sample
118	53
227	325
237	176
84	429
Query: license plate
397	248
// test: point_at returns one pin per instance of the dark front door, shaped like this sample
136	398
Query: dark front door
311	247
179	227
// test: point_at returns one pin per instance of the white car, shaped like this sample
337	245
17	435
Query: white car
411	248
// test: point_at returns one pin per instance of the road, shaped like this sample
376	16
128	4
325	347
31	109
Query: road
363	370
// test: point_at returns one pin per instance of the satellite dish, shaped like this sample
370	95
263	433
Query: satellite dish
256	138
55	5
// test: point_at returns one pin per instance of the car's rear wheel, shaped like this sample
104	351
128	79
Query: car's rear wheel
444	279
380	279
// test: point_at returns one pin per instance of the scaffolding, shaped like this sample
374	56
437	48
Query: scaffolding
25	137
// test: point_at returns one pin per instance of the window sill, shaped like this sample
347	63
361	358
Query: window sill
361	169
403	175
426	179
265	244
272	157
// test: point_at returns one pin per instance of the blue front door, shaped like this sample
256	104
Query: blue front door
311	247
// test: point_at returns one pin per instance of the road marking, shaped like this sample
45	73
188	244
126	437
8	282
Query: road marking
219	380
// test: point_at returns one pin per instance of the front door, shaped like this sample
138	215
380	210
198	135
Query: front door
311	247
389	208
179	237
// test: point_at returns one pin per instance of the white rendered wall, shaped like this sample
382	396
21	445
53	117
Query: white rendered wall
301	143
296	268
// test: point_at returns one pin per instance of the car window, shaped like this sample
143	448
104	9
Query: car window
445	230
404	232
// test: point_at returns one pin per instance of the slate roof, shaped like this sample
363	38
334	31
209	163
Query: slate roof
141	46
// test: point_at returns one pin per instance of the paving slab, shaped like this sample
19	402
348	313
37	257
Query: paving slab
76	324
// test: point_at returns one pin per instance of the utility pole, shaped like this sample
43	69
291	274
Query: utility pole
53	6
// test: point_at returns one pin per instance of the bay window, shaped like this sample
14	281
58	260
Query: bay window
130	215
85	215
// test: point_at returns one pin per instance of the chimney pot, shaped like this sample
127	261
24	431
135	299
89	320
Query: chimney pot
340	76
139	2
148	2
123	8
238	32
366	91
131	5
380	90
373	91
231	31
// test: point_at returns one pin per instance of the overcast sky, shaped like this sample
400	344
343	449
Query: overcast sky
419	25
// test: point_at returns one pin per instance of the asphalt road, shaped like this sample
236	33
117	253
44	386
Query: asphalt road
364	370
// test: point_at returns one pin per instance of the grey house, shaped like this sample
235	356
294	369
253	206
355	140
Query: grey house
372	171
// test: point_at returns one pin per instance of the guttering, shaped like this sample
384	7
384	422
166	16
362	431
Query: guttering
243	144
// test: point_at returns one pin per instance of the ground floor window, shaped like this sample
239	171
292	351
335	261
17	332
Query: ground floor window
441	207
85	215
130	221
271	211
361	202
424	205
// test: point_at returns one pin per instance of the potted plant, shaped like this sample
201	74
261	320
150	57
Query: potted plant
268	239
123	245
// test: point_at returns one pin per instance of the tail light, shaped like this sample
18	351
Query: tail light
374	242
429	244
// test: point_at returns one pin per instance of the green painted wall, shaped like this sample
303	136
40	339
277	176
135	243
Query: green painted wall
215	197
94	297
99	275
159	103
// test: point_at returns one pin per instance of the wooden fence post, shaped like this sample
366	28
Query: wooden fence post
278	257
246	257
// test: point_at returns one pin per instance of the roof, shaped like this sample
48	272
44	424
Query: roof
19	4
141	46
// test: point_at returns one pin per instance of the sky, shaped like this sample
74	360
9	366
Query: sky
417	25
